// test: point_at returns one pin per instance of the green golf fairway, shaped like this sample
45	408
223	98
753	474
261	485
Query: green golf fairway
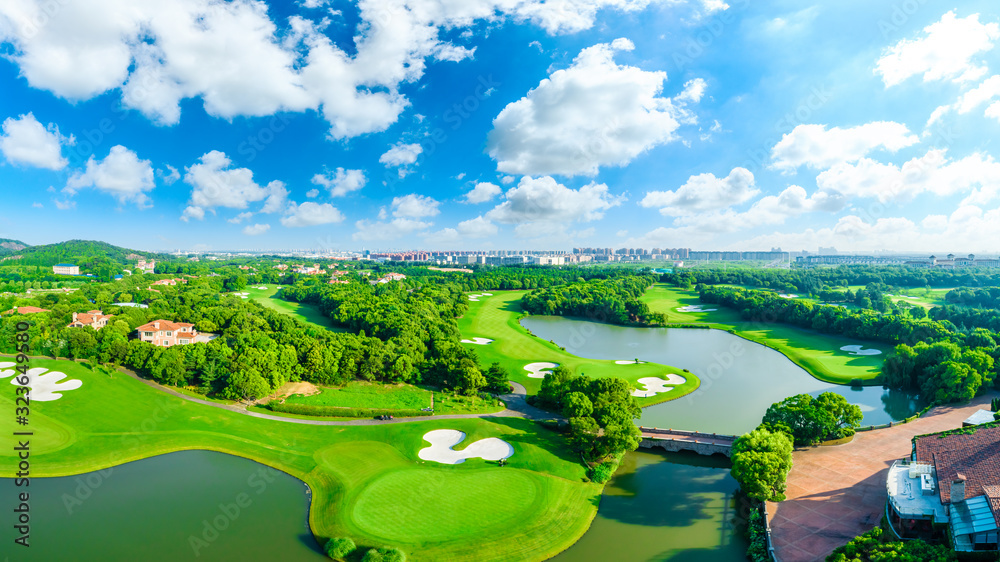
817	353
360	476
496	318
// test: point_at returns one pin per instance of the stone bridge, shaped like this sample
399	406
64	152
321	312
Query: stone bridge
678	440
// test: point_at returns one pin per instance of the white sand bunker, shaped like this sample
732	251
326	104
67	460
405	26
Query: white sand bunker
540	369
695	308
443	440
261	288
626	362
788	296
45	386
655	385
478	341
475	298
859	350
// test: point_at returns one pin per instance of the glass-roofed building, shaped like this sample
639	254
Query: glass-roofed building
951	478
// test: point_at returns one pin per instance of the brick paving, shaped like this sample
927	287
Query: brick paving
836	493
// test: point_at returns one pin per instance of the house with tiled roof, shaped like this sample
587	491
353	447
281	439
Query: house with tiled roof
164	333
25	310
94	319
951	478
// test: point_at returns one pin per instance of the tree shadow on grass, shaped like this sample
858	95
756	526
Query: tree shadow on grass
543	437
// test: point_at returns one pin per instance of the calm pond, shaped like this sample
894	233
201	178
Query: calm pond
739	378
680	507
116	514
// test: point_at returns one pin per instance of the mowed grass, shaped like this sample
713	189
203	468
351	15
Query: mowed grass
817	353
496	318
305	312
351	470
358	394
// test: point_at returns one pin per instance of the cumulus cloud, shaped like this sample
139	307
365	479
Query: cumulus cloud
391	230
545	200
26	141
240	218
401	155
704	192
994	111
238	61
819	148
311	214
594	113
969	101
946	51
121	174
215	184
256	229
483	192
933	172
341	181
768	210
478	227
414	206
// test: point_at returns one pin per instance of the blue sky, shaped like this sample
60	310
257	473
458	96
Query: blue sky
500	124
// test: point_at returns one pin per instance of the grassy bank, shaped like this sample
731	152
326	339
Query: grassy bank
367	481
359	394
496	318
817	353
304	312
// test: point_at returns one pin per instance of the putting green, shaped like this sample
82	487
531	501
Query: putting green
436	512
817	353
497	317
339	464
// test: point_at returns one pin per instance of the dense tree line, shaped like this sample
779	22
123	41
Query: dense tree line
763	306
607	300
944	371
810	280
873	546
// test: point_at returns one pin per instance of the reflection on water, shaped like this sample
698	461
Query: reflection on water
739	378
191	505
666	506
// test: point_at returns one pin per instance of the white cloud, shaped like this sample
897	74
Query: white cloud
969	101
311	4
818	148
414	206
933	172
392	230
312	193
64	205
694	90
215	184
192	212
994	111
341	181
545	200
26	141
311	214
121	174
240	218
401	155
704	192
171	177
772	209
945	52
483	192
256	229
478	227
238	61
594	113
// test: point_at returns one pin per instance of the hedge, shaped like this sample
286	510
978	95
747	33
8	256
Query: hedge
338	412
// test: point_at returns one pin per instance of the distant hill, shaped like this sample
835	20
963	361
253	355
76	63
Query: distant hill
82	252
8	246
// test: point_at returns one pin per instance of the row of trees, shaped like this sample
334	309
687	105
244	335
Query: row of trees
607	300
944	371
763	306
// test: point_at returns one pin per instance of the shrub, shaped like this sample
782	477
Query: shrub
384	554
603	472
339	547
757	551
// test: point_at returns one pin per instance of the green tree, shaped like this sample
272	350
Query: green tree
577	405
872	547
384	554
340	547
761	460
497	379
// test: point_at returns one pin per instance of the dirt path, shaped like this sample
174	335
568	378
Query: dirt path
836	493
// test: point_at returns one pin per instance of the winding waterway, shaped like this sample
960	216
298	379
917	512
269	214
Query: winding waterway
191	505
680	507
